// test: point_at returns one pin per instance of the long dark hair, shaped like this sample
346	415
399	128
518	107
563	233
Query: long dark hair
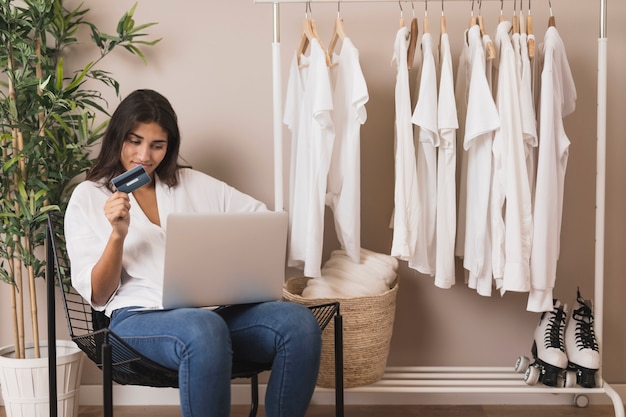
140	106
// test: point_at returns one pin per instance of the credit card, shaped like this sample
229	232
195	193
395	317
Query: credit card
131	180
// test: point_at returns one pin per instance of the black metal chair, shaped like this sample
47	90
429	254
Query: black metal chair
120	362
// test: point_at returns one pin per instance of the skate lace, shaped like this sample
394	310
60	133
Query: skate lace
585	336
554	336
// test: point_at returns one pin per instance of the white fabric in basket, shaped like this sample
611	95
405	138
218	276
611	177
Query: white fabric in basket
344	278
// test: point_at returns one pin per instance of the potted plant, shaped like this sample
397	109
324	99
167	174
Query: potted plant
47	127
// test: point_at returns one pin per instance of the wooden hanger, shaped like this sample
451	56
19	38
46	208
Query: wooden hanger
442	22
413	33
426	22
491	49
515	20
473	20
401	14
551	20
309	32
412	42
521	28
319	40
529	32
339	33
442	28
501	18
307	35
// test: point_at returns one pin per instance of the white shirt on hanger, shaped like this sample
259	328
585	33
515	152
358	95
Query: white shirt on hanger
405	191
344	177
558	100
481	121
447	122
308	110
529	118
425	118
511	210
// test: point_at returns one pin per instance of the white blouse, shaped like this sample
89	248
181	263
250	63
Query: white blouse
87	231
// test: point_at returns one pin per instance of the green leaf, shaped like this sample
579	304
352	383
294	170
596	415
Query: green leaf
78	80
59	83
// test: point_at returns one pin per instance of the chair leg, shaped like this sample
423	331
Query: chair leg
254	392
107	379
339	366
52	356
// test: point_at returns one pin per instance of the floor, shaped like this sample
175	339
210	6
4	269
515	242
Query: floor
378	411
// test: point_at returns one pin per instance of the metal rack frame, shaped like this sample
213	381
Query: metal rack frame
472	379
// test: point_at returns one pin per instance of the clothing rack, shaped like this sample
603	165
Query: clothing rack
471	380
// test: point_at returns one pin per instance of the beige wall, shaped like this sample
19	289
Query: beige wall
214	64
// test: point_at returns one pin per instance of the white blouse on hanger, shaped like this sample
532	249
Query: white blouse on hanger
558	99
425	119
447	121
529	118
344	178
481	121
308	112
511	208
405	191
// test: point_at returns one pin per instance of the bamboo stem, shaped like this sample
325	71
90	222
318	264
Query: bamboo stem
14	297
33	307
18	144
16	338
17	267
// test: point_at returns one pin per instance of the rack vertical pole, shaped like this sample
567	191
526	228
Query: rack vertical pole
600	177
277	112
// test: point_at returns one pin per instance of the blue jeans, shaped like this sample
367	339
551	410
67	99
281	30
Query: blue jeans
201	344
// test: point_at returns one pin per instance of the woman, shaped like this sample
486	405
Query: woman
116	241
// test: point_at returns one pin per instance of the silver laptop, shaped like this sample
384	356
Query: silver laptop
224	259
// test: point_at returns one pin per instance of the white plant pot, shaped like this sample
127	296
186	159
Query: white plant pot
24	382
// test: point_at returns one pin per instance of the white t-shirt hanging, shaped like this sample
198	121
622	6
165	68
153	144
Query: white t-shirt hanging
529	119
308	109
511	208
481	121
558	100
344	177
447	123
405	191
425	118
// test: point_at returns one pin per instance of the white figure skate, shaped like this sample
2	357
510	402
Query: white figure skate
581	345
548	350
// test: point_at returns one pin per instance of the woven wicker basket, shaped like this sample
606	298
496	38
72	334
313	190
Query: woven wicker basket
367	328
